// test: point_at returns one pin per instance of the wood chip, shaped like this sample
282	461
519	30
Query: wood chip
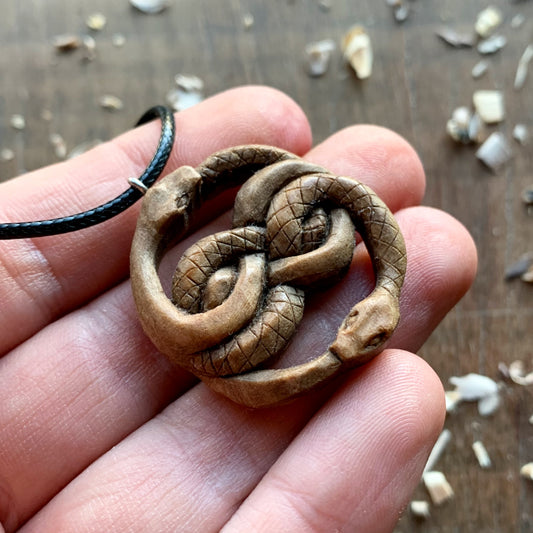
17	122
110	102
47	115
479	69
66	42
96	21
456	39
487	21
318	56
481	454
60	147
6	154
527	471
188	93
248	21
490	106
475	387
438	449
518	374
458	126
118	40
519	267
453	399
150	6
522	69
488	405
189	82
89	48
521	134
357	50
419	508
438	487
492	44
531	419
527	196
495	151
517	21
401	13
528	276
83	147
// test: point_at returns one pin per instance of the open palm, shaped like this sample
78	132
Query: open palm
98	432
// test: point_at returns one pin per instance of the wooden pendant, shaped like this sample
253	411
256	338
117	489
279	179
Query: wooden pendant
238	295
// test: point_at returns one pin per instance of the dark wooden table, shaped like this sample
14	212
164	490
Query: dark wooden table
416	83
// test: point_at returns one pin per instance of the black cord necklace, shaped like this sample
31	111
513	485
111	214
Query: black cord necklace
96	215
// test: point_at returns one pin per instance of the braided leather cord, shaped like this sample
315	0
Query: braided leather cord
96	215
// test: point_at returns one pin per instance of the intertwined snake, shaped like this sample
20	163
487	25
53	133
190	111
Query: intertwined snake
238	295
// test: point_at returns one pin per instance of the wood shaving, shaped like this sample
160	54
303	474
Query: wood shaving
66	42
487	405
357	50
519	267
83	147
517	21
318	55
189	82
518	375
527	471
475	387
521	134
60	147
458	126
481	454
248	21
89	48
46	115
420	508
487	21
527	277
527	198
118	40
110	102
150	6
495	151
438	449
456	39
188	93
479	69
492	44
453	399
6	154
18	122
401	12
440	491
490	106
96	21
522	69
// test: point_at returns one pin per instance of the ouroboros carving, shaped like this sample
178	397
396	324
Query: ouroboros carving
238	295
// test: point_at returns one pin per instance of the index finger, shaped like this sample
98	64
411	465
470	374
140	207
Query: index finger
41	279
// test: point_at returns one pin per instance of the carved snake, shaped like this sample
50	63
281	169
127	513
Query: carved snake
238	295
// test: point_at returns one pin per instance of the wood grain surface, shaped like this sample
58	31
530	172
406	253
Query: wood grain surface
416	83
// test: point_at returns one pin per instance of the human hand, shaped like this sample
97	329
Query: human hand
98	432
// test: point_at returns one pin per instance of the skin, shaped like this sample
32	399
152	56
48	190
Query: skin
98	432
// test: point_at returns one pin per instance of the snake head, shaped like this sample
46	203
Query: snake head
367	327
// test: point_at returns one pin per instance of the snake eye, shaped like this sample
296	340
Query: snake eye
376	340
